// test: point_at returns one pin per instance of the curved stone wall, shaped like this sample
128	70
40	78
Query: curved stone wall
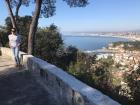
65	89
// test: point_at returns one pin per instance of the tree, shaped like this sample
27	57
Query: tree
1	43
3	36
12	3
133	81
24	25
45	8
48	41
7	2
33	26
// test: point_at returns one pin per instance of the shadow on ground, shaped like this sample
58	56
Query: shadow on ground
20	88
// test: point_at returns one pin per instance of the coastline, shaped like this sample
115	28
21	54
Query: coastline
100	51
103	50
130	37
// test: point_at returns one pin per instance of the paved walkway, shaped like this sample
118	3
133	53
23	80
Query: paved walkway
17	86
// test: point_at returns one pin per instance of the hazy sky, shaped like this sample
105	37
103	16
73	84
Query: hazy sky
99	15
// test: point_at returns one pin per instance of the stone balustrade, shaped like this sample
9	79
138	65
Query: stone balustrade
65	89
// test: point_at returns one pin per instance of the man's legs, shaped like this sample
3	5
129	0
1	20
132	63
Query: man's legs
15	51
17	55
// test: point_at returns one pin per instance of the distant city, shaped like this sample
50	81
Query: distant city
132	35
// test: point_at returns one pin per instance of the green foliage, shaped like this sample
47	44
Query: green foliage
8	25
47	41
49	46
131	45
48	6
81	68
23	29
4	32
82	64
88	69
17	2
65	56
72	53
107	62
102	73
96	73
115	44
3	36
76	3
133	81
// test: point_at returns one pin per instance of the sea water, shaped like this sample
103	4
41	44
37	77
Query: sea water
90	43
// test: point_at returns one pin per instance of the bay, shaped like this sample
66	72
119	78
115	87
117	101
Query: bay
90	43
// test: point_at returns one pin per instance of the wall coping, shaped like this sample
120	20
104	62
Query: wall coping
91	95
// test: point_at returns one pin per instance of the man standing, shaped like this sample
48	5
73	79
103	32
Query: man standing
14	43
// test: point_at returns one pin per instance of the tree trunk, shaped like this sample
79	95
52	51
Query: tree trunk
7	2
33	27
0	46
17	9
1	43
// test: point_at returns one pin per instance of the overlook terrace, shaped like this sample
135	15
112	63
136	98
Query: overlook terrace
40	83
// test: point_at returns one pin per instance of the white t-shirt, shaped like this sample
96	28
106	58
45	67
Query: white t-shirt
14	40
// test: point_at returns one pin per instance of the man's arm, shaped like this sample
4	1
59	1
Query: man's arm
19	40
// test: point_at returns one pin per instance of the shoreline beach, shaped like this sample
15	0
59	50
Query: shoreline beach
130	37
